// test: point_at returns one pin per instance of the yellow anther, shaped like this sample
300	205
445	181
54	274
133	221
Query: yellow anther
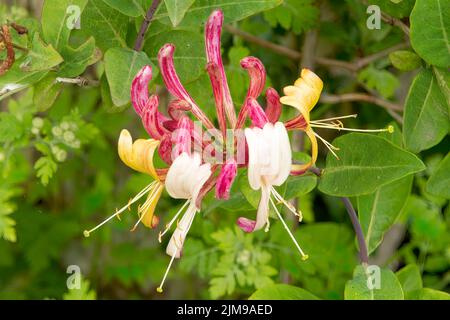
86	233
391	129
159	290
305	257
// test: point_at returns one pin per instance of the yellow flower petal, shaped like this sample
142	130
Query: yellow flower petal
314	152
304	94
138	155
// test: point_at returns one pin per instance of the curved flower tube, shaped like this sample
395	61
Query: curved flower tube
213	30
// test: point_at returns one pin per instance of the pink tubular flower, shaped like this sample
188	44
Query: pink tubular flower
225	179
257	74
273	108
256	113
173	84
213	30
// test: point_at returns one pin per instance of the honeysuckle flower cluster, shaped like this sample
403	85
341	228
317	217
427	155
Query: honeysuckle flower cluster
197	165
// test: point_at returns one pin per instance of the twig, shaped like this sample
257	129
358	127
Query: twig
287	52
296	55
145	24
392	21
361	63
390	107
363	253
395	22
80	81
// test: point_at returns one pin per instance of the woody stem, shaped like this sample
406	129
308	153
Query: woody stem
363	255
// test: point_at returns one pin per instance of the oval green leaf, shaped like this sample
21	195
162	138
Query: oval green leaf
426	118
439	182
366	163
121	66
430	31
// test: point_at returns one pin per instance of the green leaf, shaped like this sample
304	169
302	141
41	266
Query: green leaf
108	26
297	186
381	80
369	287
411	281
58	19
46	91
41	56
45	168
177	9
439	182
295	15
83	293
431	294
121	66
430	31
282	292
7	224
379	211
426	118
10	127
131	8
233	10
77	60
15	77
189	55
366	163
405	60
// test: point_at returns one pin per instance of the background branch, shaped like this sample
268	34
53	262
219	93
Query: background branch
145	24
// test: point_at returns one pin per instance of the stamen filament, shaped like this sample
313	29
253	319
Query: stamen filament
160	288
304	256
291	208
87	233
172	221
335	127
335	118
328	145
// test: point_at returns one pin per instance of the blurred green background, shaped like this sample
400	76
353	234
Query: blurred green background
60	175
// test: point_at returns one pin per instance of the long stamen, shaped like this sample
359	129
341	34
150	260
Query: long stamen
291	208
142	211
160	288
87	233
335	118
328	145
389	129
304	256
161	234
